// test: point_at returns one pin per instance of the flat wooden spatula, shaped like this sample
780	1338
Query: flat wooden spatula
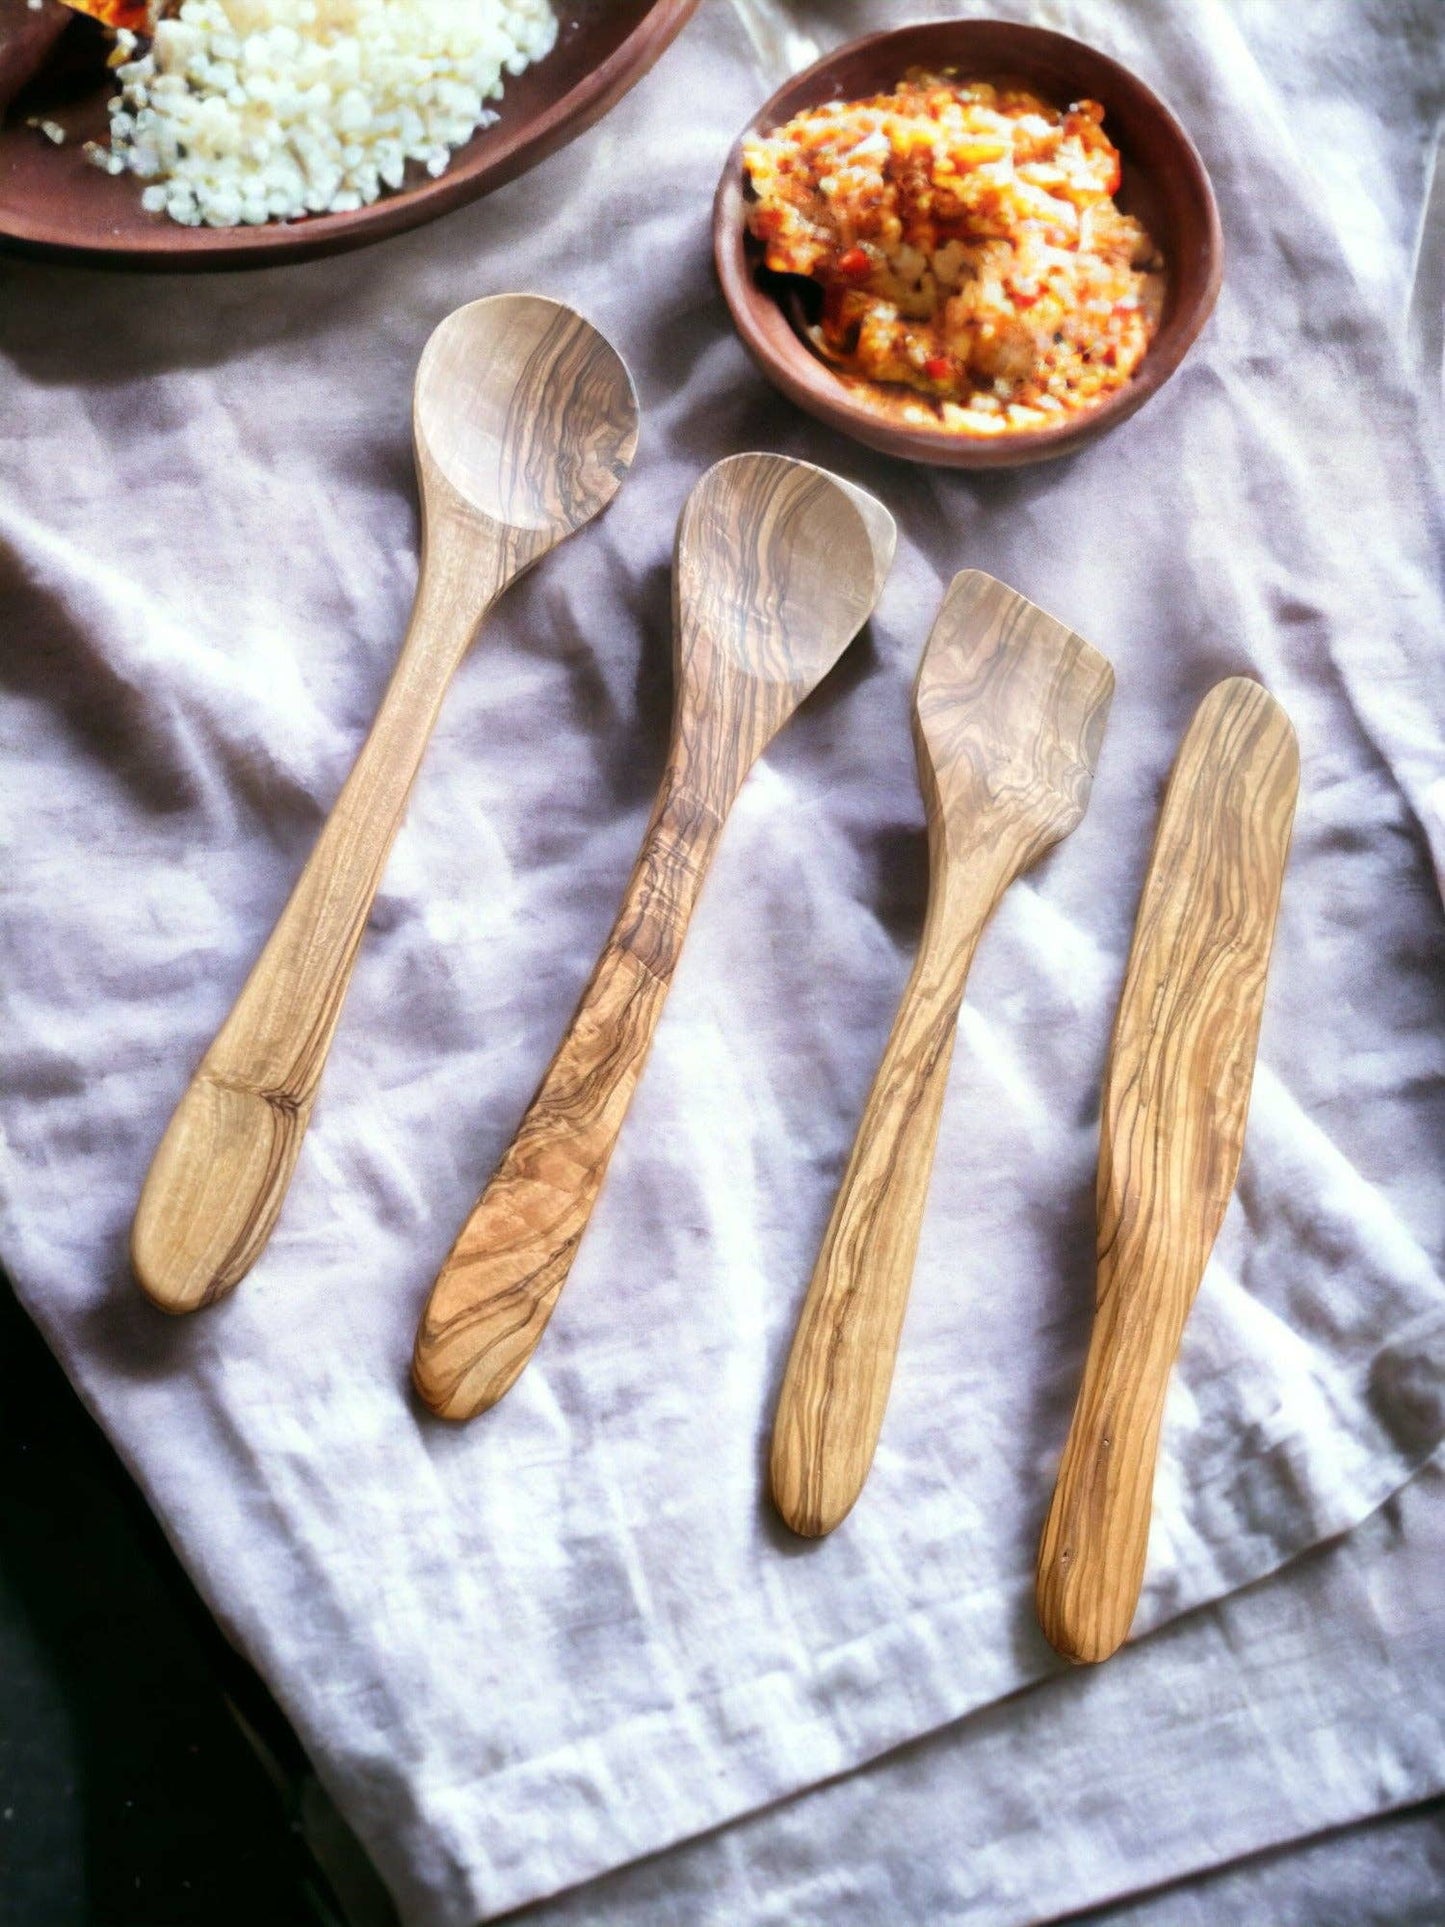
1009	714
1172	1128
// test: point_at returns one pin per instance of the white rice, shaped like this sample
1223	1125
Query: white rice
244	111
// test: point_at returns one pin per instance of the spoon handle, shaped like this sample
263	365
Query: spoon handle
1176	1094
493	1296
836	1385
218	1180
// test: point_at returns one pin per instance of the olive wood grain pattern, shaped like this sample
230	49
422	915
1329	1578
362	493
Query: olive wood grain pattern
525	423
777	566
1176	1092
1009	714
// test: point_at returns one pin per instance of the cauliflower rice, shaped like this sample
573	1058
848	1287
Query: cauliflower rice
968	248
246	111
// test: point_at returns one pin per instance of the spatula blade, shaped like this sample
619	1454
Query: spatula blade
1171	1133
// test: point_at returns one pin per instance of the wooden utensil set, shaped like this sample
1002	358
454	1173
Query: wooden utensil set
525	424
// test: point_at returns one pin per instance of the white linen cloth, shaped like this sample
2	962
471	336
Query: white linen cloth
1283	1711
572	1634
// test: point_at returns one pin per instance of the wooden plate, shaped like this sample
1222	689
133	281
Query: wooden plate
1164	183
56	204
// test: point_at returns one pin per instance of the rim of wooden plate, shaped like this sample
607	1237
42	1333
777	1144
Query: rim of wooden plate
1165	182
88	217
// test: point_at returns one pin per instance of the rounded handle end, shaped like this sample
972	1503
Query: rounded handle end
1074	1620
1092	1553
494	1295
815	1481
171	1288
449	1376
213	1192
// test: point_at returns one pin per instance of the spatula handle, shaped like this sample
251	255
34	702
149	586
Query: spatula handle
220	1175
835	1389
495	1293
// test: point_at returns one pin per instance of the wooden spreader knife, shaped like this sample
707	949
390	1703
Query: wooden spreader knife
1172	1128
1009	714
778	565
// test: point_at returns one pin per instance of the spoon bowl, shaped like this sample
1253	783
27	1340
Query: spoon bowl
525	412
778	565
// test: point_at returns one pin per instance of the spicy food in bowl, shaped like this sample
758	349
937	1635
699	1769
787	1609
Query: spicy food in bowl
1153	177
967	246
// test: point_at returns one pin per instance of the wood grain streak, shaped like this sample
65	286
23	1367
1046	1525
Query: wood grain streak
777	566
1171	1133
1009	715
525	423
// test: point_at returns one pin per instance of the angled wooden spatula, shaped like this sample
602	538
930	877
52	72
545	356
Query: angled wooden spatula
1171	1132
778	565
1008	718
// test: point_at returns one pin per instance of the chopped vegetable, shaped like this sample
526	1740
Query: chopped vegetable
967	245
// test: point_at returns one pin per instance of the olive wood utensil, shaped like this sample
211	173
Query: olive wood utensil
777	566
1009	713
525	423
1171	1131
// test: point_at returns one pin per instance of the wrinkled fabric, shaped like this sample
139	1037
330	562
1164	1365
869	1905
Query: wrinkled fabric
572	1634
1386	1872
1286	1710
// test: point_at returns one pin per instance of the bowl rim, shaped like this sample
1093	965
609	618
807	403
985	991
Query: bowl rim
493	156
808	381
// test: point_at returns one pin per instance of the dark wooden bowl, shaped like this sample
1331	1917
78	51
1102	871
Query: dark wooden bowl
1164	184
54	203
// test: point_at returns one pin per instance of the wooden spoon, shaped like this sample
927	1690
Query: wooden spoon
525	424
778	565
1172	1128
1009	714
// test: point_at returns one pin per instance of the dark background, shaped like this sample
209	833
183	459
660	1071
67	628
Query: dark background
146	1779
